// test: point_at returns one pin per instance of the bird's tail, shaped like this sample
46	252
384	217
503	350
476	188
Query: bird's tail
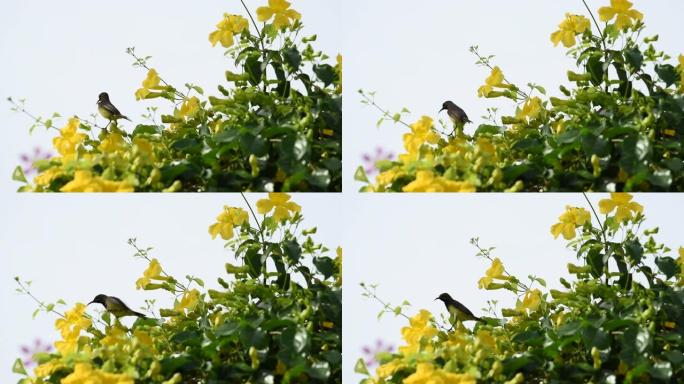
140	315
126	117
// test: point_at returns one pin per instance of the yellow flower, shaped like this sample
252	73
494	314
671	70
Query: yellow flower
85	374
188	301
387	177
419	329
143	337
111	143
495	79
427	182
279	9
620	9
45	178
70	327
144	147
153	272
485	338
530	302
421	132
622	204
151	82
226	220
495	271
427	374
572	218
530	110
226	30
84	181
47	369
114	335
189	108
568	29
388	369
278	202
69	139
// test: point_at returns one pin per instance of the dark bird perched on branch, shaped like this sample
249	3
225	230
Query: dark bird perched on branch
457	311
115	306
107	109
456	114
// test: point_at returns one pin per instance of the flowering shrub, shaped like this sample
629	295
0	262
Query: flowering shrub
276	316
620	318
275	125
618	128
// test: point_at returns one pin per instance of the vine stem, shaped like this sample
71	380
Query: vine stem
390	309
383	111
42	305
261	38
261	230
603	231
144	254
603	38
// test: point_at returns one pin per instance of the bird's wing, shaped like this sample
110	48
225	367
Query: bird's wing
461	113
111	109
119	303
463	308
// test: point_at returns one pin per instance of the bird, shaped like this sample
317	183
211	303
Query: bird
107	109
457	311
115	306
457	115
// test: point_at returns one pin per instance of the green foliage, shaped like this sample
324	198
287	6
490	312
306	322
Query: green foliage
618	128
276	316
274	125
620	317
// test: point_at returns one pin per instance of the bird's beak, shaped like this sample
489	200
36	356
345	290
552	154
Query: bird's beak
441	110
89	303
437	299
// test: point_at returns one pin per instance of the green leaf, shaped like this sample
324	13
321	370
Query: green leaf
319	177
319	370
634	250
188	145
18	367
661	178
667	265
142	129
18	175
661	370
634	58
485	129
292	250
360	175
361	368
667	73
325	265
292	58
325	73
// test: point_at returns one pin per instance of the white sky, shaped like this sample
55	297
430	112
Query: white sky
75	246
416	247
415	55
61	55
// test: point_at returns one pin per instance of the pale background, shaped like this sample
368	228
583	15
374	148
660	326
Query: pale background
75	246
415	55
61	55
417	246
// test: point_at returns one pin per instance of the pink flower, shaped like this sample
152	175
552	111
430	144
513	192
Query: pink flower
369	159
